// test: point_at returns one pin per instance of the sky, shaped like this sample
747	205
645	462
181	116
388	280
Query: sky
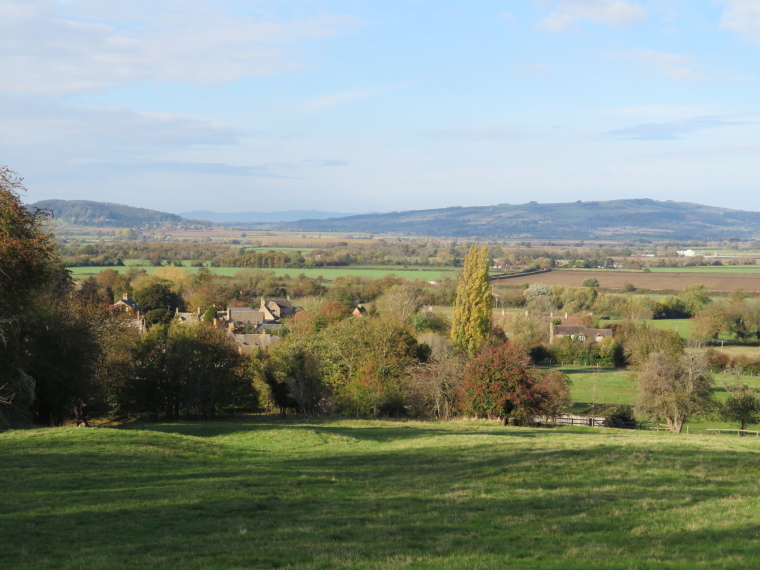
373	106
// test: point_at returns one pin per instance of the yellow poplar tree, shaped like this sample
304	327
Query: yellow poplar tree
471	320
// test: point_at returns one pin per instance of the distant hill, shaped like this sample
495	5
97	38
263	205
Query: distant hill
261	217
574	220
105	214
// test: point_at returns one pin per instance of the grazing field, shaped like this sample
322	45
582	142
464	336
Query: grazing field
369	494
612	278
681	326
618	386
328	273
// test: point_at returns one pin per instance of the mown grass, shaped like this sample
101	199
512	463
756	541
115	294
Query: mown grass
370	494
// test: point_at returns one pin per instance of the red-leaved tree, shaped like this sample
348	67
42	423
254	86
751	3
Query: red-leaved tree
500	382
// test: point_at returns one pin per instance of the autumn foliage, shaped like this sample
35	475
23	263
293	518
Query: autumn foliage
500	382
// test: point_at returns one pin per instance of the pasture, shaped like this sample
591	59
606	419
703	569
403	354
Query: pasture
618	386
266	493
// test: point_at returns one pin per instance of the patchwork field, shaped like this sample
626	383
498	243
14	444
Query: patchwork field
264	493
714	281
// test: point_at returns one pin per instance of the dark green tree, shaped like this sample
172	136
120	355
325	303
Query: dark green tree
158	302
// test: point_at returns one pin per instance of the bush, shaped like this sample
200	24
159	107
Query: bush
619	415
590	282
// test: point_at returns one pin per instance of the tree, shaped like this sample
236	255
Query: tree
639	341
696	297
471	320
185	370
674	387
590	282
499	383
435	384
158	302
540	299
30	273
742	405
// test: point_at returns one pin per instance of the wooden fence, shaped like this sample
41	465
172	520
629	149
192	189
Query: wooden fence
736	431
586	421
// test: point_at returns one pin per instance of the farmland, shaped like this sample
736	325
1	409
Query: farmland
664	280
327	273
264	493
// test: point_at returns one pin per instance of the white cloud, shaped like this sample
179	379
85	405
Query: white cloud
53	48
742	16
614	13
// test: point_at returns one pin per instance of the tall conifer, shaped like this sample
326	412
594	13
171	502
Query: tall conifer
471	320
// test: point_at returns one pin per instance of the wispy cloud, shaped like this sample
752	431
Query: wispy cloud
669	65
743	17
614	13
327	163
484	133
31	121
321	104
138	166
674	130
57	48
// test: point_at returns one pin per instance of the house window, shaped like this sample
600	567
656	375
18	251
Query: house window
582	338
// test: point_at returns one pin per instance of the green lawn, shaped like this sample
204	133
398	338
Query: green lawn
264	493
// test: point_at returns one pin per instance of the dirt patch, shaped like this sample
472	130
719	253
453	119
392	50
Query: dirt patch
749	282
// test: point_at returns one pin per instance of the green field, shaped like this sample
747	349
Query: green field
682	326
264	493
618	386
328	273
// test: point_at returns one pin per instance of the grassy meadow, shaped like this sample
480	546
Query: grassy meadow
265	493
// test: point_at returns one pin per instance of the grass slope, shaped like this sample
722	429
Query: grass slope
370	494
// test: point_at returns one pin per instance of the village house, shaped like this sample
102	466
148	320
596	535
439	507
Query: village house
132	312
248	343
575	328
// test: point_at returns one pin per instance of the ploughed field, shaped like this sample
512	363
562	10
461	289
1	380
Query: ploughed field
726	280
265	493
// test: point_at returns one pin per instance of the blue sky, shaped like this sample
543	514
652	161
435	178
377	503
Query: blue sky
363	105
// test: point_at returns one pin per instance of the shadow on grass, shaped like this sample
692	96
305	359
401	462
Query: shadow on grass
380	431
632	505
